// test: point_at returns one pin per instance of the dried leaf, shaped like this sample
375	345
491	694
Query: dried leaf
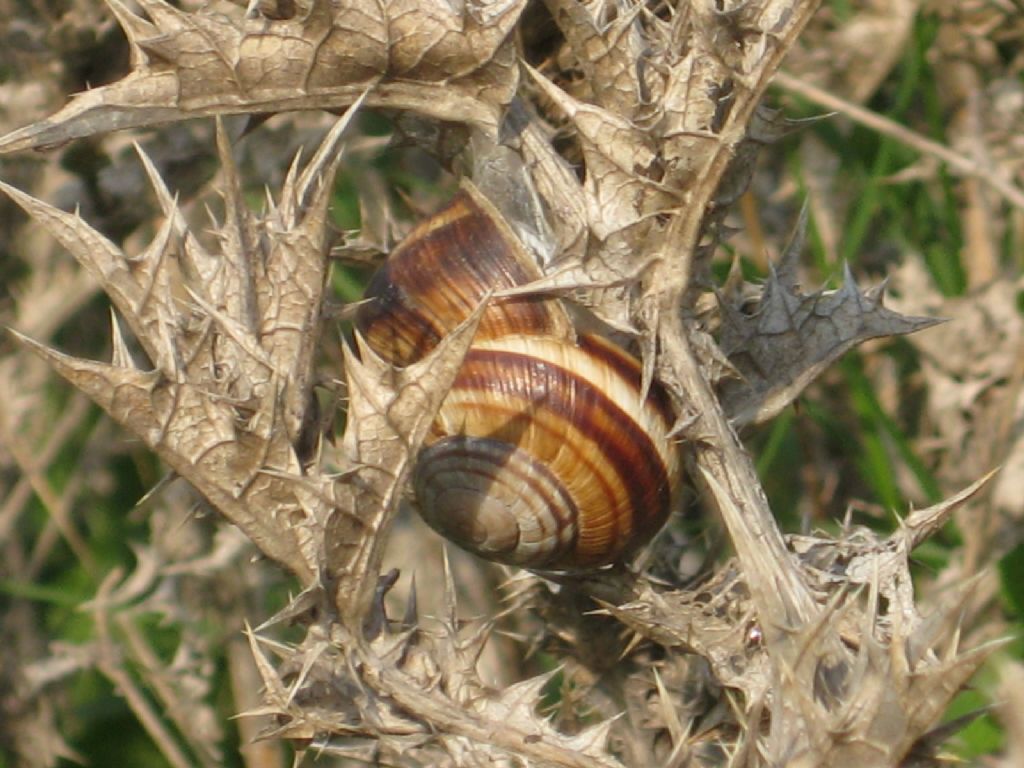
389	414
226	404
449	62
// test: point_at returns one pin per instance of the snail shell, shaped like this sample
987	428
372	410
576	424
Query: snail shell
545	453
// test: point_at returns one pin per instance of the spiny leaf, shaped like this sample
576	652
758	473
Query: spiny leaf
607	52
450	62
389	414
619	158
227	402
198	436
789	338
139	287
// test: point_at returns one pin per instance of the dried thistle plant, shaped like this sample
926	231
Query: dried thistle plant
806	652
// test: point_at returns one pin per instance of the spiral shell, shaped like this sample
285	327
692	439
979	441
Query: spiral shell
544	454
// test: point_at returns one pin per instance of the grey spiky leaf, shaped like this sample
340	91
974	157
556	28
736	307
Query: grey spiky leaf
785	341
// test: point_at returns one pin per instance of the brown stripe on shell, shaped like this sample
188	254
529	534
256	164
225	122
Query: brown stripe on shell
630	369
520	384
394	328
511	422
439	274
511	463
470	446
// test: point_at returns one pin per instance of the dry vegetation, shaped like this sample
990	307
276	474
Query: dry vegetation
250	465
